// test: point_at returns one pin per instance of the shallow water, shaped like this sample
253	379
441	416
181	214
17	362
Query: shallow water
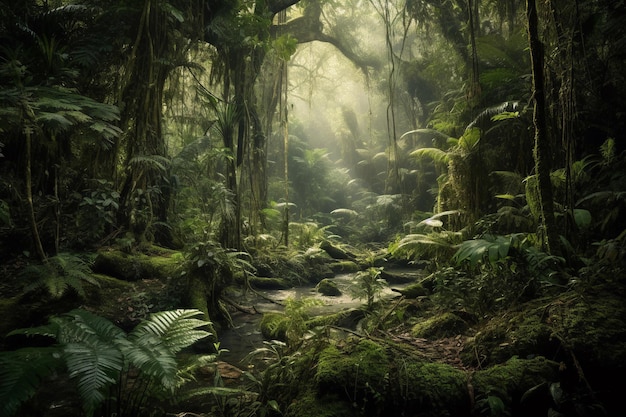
245	336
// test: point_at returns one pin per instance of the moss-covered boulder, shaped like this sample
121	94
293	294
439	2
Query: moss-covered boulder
413	290
443	325
274	326
265	283
427	389
328	287
510	381
335	251
343	267
309	404
159	264
347	318
359	369
375	382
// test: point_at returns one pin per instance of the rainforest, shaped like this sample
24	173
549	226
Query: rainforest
312	208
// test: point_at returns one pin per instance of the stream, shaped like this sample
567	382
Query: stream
245	335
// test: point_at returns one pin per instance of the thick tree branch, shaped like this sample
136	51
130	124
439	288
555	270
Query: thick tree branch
276	6
309	28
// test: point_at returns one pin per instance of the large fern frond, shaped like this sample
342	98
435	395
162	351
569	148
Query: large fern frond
95	366
21	373
83	326
177	329
152	358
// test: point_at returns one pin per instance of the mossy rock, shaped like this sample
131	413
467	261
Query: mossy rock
359	368
443	325
514	378
398	277
309	405
347	318
335	251
270	283
342	267
594	328
136	266
328	287
413	291
274	326
427	389
521	334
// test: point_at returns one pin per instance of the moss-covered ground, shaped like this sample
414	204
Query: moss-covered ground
562	355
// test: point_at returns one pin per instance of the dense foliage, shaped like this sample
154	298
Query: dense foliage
485	143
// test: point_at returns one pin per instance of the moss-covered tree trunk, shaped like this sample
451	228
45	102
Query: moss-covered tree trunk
542	149
142	199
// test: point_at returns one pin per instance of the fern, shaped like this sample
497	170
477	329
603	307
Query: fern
21	373
417	246
60	274
98	355
95	366
177	329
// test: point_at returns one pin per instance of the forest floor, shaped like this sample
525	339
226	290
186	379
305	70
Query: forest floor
582	329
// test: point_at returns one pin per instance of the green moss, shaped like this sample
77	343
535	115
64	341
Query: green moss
444	325
347	318
308	405
343	267
359	369
413	291
135	266
270	283
107	281
328	287
510	380
274	326
522	334
429	389
197	295
595	329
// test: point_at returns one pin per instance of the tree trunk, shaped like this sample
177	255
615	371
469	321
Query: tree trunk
29	198
542	149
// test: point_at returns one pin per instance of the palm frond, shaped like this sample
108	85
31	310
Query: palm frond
157	162
345	211
416	246
485	117
427	132
434	154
